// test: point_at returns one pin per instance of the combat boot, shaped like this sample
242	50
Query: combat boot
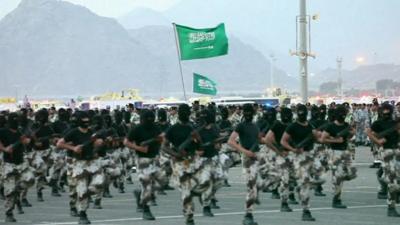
249	220
54	191
97	204
382	194
2	197
213	204
292	199
10	218
392	212
189	220
73	212
275	194
106	193
207	211
139	207
285	207
147	215
83	218
226	183
307	216
129	180
161	192
168	188
121	188
25	203
40	196
153	201
19	208
337	203
318	191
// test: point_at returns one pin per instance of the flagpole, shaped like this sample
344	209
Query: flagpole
179	60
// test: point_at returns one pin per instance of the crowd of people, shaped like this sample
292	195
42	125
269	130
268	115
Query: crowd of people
286	150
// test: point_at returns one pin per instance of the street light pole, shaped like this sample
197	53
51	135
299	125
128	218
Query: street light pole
272	64
302	51
339	61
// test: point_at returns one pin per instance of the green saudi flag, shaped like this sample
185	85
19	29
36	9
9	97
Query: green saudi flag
203	85
201	43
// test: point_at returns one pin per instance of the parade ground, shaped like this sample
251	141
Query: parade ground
359	195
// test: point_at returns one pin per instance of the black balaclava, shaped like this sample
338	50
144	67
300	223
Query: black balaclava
270	115
322	112
340	113
118	117
302	113
184	113
97	122
147	118
42	116
162	115
286	115
107	120
387	115
13	121
80	120
314	112
224	113
248	112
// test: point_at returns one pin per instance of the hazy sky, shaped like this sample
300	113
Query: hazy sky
109	8
364	30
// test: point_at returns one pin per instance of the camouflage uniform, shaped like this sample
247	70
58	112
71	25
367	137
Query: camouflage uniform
228	158
72	182
391	174
342	169
40	164
151	178
15	179
57	159
89	180
183	176
303	165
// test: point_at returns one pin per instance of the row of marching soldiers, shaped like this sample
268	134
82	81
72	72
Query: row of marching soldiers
288	156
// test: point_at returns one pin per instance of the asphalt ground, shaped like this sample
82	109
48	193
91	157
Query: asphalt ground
360	195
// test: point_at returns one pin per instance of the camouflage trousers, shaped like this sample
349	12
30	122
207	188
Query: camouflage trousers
39	161
321	163
57	162
304	169
111	172
286	175
151	178
164	162
228	157
128	161
258	176
15	179
89	181
116	157
210	178
184	177
72	182
391	173
342	169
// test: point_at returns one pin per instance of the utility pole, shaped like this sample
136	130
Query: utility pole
272	65
303	47
339	61
302	51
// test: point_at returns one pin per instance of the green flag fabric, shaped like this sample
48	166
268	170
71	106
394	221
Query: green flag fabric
202	43
203	85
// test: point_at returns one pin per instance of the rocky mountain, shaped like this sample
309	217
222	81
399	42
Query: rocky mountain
50	47
363	77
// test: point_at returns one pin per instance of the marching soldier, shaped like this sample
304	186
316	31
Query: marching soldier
146	140
86	171
299	138
337	136
15	173
248	134
385	133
